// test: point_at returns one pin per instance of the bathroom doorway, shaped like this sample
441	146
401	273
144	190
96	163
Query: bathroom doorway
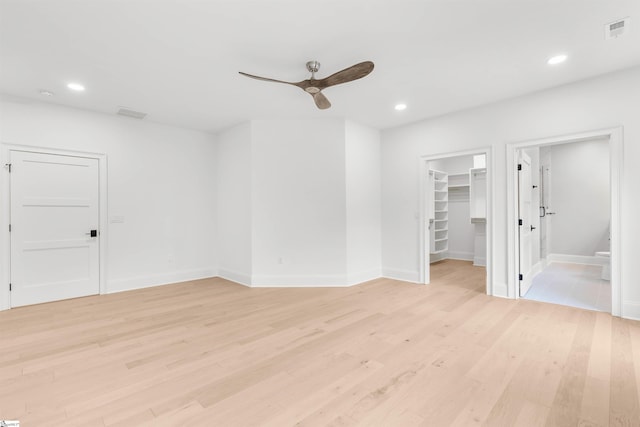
455	220
565	211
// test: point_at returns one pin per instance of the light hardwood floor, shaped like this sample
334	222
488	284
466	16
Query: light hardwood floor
383	353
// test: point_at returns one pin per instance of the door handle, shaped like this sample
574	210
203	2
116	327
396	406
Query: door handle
532	228
92	233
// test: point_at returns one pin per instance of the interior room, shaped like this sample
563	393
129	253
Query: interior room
457	202
214	213
572	212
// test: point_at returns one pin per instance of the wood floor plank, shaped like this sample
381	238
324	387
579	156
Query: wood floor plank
625	408
595	402
565	409
383	353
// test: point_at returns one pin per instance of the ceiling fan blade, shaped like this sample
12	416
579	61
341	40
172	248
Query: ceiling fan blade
313	86
321	101
354	72
266	79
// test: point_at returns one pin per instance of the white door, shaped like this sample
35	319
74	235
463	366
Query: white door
54	208
525	197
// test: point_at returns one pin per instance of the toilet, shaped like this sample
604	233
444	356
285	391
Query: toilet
606	265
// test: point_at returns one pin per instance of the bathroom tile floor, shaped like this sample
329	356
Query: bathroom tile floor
575	285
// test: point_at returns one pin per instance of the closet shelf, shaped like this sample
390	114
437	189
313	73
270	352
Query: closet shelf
439	213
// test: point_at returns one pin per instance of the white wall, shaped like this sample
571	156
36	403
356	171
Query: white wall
363	164
604	102
299	202
580	198
233	168
461	231
160	179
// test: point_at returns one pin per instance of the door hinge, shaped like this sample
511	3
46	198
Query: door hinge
9	287
520	277
8	166
519	222
519	167
9	228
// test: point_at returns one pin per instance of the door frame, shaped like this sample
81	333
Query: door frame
5	213
424	212
615	173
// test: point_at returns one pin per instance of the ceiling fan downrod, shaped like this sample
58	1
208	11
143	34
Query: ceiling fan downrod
313	67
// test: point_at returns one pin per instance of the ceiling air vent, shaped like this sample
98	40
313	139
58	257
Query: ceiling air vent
617	28
131	113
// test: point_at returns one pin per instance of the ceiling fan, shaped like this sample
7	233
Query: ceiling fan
314	87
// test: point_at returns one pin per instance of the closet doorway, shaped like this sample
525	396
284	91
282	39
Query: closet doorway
565	205
455	220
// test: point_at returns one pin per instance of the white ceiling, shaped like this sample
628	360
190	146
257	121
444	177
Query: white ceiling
178	60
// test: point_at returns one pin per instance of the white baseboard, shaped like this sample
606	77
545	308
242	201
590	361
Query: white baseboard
480	261
363	276
140	282
537	268
438	257
299	281
500	290
235	276
631	310
544	263
398	274
577	259
463	256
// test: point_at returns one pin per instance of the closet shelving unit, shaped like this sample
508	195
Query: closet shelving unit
478	195
458	187
439	218
458	180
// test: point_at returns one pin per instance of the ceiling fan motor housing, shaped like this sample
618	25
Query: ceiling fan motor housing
313	66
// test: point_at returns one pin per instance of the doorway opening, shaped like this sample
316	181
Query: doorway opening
455	220
565	205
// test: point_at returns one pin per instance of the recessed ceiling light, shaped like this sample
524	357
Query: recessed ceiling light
558	59
76	86
45	92
400	107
